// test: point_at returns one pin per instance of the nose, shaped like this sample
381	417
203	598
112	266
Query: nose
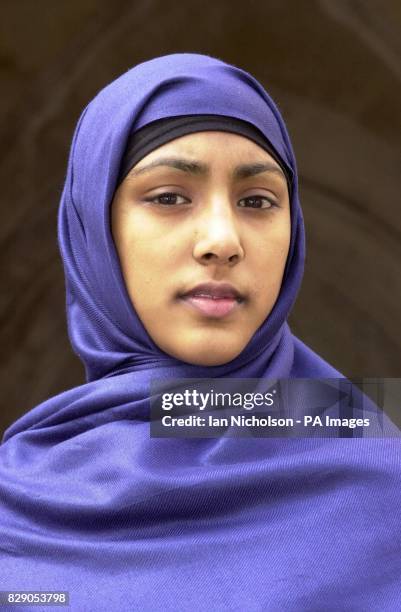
217	239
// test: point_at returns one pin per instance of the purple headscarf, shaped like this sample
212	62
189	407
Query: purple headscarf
91	504
104	329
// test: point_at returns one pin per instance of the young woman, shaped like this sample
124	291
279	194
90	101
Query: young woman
182	238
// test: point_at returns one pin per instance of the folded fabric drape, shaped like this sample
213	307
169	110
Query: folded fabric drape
90	504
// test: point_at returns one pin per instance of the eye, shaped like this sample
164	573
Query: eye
168	199
256	202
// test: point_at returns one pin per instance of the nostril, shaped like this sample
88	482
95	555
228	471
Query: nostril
210	256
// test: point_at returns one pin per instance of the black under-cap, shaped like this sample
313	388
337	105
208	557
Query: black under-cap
153	135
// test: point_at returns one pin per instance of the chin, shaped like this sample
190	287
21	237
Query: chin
204	349
209	357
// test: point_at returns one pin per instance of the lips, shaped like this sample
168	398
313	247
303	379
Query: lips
215	291
214	300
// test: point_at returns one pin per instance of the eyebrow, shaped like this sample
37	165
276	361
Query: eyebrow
200	169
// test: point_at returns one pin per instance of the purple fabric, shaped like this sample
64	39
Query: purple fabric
104	329
89	503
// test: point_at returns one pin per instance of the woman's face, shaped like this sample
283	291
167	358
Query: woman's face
207	208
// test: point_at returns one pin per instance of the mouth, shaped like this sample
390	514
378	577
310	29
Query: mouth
215	300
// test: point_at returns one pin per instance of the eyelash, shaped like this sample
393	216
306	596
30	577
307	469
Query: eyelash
170	195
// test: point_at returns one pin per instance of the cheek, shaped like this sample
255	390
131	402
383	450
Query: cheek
137	239
269	259
148	266
150	239
142	277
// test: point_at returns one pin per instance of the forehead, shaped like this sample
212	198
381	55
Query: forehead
224	147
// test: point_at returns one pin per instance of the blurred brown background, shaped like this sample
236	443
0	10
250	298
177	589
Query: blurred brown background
334	68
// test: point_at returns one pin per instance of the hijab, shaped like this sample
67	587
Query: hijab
92	505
